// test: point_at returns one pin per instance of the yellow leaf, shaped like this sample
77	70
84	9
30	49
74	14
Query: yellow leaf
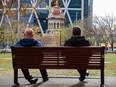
8	13
39	0
38	7
43	2
14	12
47	7
21	14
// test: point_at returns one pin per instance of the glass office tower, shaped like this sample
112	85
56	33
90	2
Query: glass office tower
73	10
0	10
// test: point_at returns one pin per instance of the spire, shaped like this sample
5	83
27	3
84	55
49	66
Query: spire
57	3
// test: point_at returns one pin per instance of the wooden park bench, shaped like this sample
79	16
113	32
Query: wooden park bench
64	57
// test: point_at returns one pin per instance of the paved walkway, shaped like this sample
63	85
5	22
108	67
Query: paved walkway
7	81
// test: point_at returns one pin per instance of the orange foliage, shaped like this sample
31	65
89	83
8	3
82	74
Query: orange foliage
8	13
7	2
23	7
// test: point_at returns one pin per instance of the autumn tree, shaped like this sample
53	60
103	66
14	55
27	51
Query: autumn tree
105	25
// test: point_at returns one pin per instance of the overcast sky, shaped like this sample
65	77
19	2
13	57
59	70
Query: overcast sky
104	7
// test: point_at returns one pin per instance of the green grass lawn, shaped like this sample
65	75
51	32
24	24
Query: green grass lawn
110	57
110	67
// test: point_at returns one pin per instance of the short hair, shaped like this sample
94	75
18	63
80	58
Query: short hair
76	30
28	32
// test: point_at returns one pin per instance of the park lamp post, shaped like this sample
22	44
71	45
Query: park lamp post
2	39
60	38
111	35
76	17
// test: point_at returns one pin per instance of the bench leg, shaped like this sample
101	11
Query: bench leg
15	78
102	85
102	78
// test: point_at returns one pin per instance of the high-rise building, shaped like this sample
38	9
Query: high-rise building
72	9
0	10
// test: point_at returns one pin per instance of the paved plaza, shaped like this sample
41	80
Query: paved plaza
7	81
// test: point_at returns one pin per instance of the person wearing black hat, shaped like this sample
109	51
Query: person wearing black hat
78	40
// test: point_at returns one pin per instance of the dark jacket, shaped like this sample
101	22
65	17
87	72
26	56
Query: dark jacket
28	42
77	41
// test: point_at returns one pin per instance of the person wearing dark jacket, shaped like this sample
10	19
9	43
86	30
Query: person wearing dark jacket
27	41
78	40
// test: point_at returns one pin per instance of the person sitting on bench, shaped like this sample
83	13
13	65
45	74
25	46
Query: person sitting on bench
27	41
78	40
